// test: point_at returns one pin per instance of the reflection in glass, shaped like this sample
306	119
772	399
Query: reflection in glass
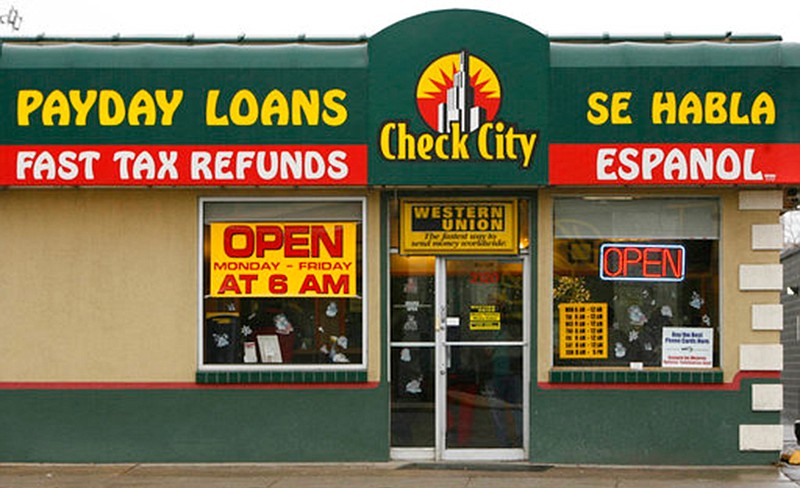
642	299
638	311
252	330
486	297
412	397
413	297
484	397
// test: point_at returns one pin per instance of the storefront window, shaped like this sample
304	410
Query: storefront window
282	284
635	282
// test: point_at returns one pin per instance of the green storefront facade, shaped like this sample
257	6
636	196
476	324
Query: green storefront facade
455	240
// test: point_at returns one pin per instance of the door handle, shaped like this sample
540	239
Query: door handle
441	323
447	362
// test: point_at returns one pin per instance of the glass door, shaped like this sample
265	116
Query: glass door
458	358
481	359
413	356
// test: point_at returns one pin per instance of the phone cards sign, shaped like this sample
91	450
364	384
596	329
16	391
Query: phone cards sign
484	317
687	347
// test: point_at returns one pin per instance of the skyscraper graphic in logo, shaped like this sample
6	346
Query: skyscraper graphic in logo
458	88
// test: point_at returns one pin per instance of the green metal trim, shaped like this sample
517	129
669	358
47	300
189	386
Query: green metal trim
728	37
385	245
182	56
705	54
667	377
533	297
188	39
251	377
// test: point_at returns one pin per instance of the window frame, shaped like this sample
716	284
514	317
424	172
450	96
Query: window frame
271	367
656	370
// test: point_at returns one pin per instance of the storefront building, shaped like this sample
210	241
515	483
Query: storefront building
455	240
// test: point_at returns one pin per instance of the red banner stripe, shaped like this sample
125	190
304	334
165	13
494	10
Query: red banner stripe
674	164
172	165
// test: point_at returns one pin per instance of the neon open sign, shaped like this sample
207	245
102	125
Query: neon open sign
642	262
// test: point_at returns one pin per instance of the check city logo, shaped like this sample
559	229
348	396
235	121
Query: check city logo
458	96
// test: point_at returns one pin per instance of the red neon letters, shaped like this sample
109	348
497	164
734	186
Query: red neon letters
642	262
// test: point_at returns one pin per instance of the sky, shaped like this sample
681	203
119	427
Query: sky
350	18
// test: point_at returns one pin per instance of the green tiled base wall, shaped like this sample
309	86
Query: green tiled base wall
196	425
583	376
230	377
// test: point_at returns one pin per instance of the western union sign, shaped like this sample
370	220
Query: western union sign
458	226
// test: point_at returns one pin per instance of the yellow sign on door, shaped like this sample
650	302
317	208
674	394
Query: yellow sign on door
484	317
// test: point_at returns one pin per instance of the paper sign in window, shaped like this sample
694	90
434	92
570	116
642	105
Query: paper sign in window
271	259
484	317
583	330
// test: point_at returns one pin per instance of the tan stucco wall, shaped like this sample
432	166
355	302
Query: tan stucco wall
101	285
735	249
737	305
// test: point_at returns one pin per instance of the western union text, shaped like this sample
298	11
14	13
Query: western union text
449	218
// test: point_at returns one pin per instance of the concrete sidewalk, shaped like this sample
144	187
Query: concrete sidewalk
385	475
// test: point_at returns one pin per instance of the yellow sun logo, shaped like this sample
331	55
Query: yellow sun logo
445	95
